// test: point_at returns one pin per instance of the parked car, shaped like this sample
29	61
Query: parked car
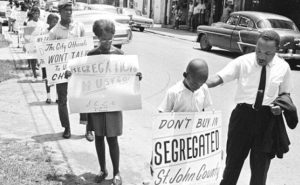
78	6
51	5
112	11
137	19
240	32
123	33
3	9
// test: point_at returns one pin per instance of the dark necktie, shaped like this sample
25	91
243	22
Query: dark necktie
261	89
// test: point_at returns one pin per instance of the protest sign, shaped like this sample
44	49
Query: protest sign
187	148
20	17
30	48
55	55
104	83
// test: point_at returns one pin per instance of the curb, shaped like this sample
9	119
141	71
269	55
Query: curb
169	35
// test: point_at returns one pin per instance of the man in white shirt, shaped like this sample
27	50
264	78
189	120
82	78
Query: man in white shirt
66	28
261	77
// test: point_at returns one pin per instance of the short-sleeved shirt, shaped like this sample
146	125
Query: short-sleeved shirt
180	99
75	29
247	72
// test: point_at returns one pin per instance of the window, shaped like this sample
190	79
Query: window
232	20
276	23
246	22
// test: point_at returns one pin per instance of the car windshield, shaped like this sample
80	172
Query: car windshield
277	24
132	12
104	8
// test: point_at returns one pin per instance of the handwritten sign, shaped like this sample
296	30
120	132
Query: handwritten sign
30	48
187	148
104	83
55	55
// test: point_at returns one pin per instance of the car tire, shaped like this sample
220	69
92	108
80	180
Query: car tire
204	43
142	29
119	46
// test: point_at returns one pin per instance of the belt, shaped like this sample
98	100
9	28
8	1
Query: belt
252	106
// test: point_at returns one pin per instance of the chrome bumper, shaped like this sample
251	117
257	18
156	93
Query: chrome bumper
289	56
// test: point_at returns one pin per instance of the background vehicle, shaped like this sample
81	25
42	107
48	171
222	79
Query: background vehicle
3	5
112	11
242	29
136	18
78	6
123	33
51	5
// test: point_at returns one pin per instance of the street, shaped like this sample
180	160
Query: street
162	62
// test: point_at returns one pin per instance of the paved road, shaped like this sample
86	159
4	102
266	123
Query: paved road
162	62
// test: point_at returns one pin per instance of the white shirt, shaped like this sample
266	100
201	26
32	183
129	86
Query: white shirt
191	8
60	32
247	72
181	99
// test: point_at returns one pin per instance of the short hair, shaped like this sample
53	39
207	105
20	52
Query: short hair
33	10
51	17
103	25
270	35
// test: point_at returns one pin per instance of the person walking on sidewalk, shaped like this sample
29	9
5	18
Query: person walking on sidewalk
52	20
39	27
261	77
66	28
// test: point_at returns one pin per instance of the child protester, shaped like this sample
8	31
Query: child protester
106	124
52	20
190	94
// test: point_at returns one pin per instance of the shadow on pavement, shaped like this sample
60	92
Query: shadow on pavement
29	81
41	103
54	137
84	179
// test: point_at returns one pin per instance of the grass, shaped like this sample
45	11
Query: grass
7	70
30	163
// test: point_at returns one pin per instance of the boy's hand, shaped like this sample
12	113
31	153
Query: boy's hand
139	74
68	74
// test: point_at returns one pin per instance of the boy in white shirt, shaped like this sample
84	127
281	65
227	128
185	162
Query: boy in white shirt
190	94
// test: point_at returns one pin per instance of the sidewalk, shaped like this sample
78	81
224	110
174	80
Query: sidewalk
26	117
169	32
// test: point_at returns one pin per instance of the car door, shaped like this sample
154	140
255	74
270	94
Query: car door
244	35
222	35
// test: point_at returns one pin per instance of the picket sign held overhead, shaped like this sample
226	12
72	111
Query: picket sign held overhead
187	148
103	83
55	54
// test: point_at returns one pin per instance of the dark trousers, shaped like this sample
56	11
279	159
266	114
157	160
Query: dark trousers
246	130
33	63
84	117
62	92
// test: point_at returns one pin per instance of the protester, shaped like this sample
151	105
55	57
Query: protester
195	18
52	20
10	15
66	28
226	12
39	27
107	124
261	77
190	94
